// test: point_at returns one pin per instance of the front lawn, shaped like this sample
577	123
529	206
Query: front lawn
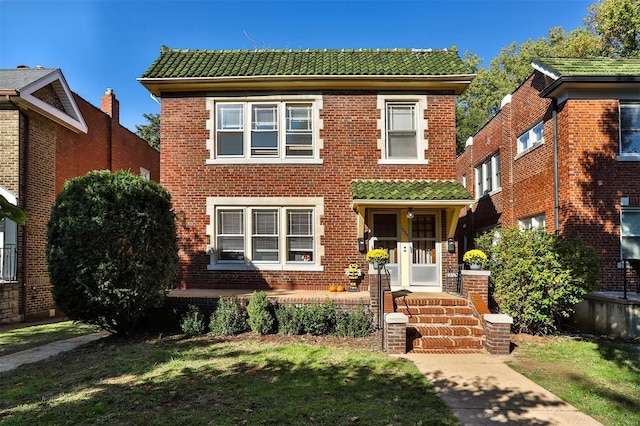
599	377
222	381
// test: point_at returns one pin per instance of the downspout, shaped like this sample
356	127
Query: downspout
23	197
556	179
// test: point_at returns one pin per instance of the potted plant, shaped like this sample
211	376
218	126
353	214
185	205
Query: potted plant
377	257
475	258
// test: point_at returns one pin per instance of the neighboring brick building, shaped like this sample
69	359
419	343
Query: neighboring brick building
48	135
563	153
286	166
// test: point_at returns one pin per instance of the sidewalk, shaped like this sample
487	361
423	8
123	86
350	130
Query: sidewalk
481	389
9	362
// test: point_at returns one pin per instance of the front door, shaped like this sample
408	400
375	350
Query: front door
414	255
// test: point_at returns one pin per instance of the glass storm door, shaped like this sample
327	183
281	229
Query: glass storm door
425	253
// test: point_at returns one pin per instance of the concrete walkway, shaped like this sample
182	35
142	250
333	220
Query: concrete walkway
9	362
482	389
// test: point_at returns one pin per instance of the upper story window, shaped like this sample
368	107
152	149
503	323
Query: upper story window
487	176
532	222
402	140
630	129
264	130
402	125
145	173
531	137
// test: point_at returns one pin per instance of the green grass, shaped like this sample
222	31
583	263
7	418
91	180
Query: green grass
599	377
206	380
24	338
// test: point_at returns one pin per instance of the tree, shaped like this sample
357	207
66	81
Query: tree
12	212
617	25
150	132
111	249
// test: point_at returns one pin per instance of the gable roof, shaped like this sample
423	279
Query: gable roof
588	72
21	84
190	70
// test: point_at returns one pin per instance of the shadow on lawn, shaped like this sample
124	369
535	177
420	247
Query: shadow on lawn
209	381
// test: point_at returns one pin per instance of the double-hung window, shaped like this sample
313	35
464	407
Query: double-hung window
264	131
531	137
487	176
630	232
264	235
402	135
630	129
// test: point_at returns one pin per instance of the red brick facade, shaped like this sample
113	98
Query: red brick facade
349	149
591	178
43	155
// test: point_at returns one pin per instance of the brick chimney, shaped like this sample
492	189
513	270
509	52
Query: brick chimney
110	105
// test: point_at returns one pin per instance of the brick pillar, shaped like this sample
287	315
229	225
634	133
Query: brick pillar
476	281
498	333
395	333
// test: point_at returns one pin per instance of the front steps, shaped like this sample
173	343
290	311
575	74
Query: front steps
440	323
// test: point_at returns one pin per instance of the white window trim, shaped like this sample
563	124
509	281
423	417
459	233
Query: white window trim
480	176
625	209
282	203
421	126
532	146
623	156
318	143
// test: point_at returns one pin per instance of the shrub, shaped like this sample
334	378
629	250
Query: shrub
318	319
229	318
289	319
259	310
538	277
357	323
111	249
192	323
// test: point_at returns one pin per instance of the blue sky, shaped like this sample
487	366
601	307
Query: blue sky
100	44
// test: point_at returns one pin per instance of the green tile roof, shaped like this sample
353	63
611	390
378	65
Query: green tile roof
177	63
416	190
567	67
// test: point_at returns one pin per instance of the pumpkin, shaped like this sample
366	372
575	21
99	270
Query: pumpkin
332	288
340	288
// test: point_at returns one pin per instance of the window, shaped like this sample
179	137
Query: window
531	222
264	236
630	232
630	129
487	176
268	131
530	138
145	173
401	131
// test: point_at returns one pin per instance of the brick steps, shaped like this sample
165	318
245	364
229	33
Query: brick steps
441	325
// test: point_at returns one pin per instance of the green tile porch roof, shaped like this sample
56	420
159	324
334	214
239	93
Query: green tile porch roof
181	70
181	63
409	190
589	67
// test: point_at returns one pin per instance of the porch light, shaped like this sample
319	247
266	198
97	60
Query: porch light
410	213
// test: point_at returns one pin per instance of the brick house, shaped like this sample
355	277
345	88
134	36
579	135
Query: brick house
49	134
286	166
563	153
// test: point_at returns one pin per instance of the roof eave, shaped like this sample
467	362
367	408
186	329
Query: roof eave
456	84
411	203
593	82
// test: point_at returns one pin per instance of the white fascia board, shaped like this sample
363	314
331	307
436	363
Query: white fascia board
72	117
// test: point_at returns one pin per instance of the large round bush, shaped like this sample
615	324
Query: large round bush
538	277
112	249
